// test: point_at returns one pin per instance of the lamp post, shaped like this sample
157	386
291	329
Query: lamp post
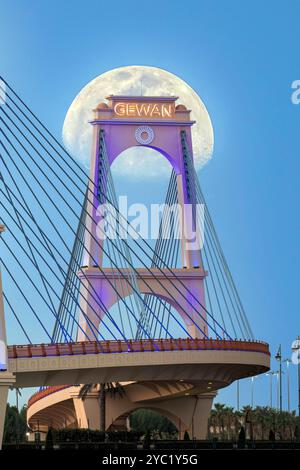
270	374
278	358
287	363
252	391
296	360
276	373
238	394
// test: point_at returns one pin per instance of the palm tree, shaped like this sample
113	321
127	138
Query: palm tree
213	423
114	389
229	415
238	423
287	424
258	423
247	411
292	424
220	415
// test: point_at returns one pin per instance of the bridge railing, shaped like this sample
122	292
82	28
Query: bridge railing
46	392
133	346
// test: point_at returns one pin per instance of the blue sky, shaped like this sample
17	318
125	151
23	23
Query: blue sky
241	57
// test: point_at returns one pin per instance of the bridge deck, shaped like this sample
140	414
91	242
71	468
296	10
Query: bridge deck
106	347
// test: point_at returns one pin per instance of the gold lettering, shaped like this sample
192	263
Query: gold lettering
154	110
131	109
166	110
120	109
143	109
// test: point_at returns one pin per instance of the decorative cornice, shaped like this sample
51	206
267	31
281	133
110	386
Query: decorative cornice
136	122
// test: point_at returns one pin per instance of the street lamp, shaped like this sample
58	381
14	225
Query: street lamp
278	358
296	351
287	363
276	373
252	391
238	395
271	374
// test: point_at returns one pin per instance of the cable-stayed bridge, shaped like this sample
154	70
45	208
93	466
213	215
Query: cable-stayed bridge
93	300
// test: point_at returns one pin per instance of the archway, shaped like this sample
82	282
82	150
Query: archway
141	178
161	320
153	420
139	155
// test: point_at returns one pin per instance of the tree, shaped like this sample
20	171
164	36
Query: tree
144	420
242	434
224	422
212	423
271	435
147	440
219	409
229	416
49	439
247	411
15	424
242	438
260	420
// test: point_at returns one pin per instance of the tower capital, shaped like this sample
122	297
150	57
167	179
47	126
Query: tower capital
142	108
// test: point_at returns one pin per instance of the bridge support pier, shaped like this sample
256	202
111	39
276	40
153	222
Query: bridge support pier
87	410
188	412
192	413
6	380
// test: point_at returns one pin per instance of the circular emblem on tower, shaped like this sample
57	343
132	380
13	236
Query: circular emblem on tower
144	135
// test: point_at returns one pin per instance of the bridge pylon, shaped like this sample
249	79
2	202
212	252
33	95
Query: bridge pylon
156	123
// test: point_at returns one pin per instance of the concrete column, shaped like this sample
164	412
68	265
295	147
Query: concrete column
91	242
199	421
87	411
82	419
6	380
189	413
190	249
90	313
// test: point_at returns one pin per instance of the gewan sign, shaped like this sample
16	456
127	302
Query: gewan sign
154	110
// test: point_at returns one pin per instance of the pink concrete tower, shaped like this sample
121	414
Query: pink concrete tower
157	123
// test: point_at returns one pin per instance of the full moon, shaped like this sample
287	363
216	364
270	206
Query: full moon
139	162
